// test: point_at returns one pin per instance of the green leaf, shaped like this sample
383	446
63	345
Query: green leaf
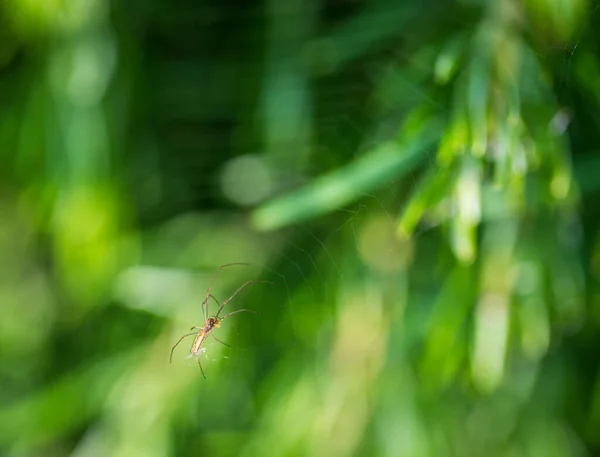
390	160
432	188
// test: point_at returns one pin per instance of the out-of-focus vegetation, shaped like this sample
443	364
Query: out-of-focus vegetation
419	180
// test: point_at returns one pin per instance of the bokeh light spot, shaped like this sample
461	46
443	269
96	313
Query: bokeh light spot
246	180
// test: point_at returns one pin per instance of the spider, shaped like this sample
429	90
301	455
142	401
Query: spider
211	323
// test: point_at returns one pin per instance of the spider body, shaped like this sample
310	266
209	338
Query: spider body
211	323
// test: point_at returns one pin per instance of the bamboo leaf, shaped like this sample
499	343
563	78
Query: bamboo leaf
390	160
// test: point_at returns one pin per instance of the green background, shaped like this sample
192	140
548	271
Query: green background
419	180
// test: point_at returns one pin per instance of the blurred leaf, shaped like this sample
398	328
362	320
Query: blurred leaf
560	20
477	93
443	352
447	62
431	190
372	170
467	206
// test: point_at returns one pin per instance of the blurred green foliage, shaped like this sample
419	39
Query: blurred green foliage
419	180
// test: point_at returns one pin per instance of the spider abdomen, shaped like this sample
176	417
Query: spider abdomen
197	344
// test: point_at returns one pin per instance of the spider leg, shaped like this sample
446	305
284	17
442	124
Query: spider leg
237	292
204	314
205	302
200	365
213	335
176	344
240	311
